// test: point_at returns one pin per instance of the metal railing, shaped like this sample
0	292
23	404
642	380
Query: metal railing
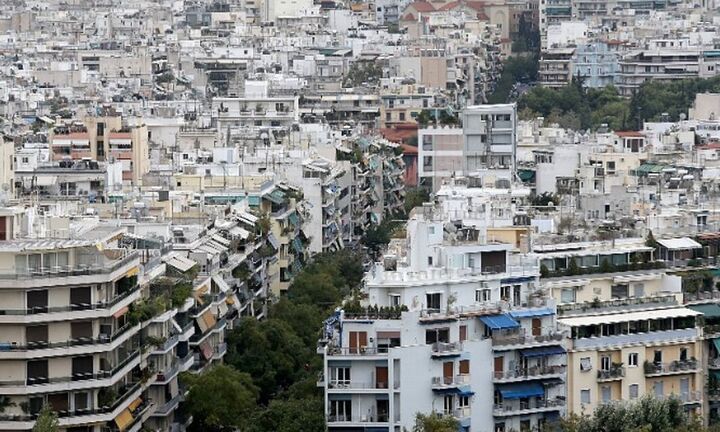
531	372
449	381
506	408
366	350
72	307
672	367
446	347
547	335
69	343
80	270
30	381
610	374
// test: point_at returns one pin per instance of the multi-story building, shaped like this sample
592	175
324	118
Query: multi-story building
556	67
69	338
657	65
490	142
444	309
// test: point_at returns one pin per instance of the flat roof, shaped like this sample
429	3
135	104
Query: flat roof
628	316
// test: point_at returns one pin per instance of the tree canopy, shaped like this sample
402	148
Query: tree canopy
220	399
435	422
47	420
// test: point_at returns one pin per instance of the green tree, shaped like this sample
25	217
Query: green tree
270	352
434	422
415	197
292	415
220	399
47	420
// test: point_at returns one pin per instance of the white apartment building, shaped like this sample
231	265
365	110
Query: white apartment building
469	304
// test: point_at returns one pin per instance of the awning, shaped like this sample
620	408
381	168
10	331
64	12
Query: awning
276	196
206	350
543	352
679	243
297	245
716	342
710	310
388	334
498	322
680	312
716	375
132	272
293	218
221	284
121	312
180	262
123	420
466	392
134	404
209	319
520	391
531	313
273	241
220	239
46	180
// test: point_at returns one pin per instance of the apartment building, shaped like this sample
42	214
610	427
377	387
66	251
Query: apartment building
628	334
556	67
440	155
69	337
469	304
490	143
657	65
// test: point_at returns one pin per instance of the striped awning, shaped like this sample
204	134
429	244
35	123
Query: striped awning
123	420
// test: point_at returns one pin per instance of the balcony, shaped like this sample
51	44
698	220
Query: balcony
714	363
443	382
366	351
69	312
613	374
369	419
505	340
33	385
537	372
602	342
526	408
356	386
73	275
445	349
676	367
169	406
103	343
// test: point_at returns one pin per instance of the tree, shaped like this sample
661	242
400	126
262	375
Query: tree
378	236
434	422
415	197
47	420
270	352
220	399
290	416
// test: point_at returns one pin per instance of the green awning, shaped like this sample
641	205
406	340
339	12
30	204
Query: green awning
716	341
276	196
526	175
710	310
293	218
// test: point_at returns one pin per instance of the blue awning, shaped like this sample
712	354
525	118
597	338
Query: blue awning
466	392
532	313
498	322
447	390
519	391
543	352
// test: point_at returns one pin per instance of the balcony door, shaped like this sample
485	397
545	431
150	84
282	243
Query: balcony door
381	377
448	372
358	340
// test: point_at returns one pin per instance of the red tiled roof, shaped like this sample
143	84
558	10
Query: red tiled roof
629	134
477	5
422	6
449	6
482	16
409	17
400	132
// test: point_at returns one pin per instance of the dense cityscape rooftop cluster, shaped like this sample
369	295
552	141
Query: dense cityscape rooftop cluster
376	216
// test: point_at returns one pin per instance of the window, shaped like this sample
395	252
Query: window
437	335
340	375
430	261
482	295
567	295
657	357
463	333
37	301
448	404
633	390
619	291
81	330
37	372
341	410
433	301
585	364
585	396
606	394
80	298
82	401
82	368
464	367
633	359
463	401
36	336
394	299
658	389
402	116
683	354
605	363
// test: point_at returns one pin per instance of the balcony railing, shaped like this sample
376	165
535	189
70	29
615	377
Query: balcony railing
678	366
441	348
69	343
523	338
30	381
368	351
521	408
368	418
531	372
451	381
73	307
65	271
131	388
611	374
